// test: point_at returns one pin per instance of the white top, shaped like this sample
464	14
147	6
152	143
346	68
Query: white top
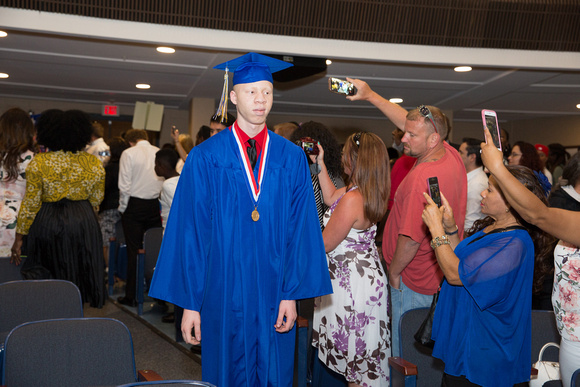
476	182
137	175
166	197
96	148
548	175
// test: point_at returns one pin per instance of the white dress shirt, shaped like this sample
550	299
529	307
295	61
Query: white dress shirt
476	182
166	197
137	175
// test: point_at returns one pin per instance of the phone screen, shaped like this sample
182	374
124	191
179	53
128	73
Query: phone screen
434	190
341	87
490	121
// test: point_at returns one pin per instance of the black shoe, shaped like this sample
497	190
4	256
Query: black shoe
127	301
196	349
168	318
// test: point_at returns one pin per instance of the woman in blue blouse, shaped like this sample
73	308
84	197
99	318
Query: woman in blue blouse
482	325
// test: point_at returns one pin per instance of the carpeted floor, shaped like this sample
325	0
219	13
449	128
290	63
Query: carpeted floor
152	350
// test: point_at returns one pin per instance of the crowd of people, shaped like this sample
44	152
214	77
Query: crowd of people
253	223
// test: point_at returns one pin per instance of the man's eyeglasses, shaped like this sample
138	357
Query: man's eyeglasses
356	139
425	112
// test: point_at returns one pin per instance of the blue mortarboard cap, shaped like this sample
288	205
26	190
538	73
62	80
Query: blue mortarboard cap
253	67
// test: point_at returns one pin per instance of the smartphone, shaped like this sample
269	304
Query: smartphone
489	118
434	190
341	87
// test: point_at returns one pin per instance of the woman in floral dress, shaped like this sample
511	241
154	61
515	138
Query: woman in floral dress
350	328
16	152
566	303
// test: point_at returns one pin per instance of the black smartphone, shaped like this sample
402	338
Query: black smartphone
434	190
340	86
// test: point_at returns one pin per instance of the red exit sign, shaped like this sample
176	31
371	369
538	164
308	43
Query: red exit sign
111	110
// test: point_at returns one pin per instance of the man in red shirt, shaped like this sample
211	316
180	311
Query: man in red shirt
414	275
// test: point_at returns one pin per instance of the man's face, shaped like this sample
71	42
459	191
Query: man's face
215	128
464	155
416	138
253	101
543	157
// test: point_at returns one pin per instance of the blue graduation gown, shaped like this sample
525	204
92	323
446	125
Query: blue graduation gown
216	260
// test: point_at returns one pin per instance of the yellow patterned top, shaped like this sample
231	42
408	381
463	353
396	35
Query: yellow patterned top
54	176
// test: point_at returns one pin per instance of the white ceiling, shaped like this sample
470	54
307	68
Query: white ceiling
91	66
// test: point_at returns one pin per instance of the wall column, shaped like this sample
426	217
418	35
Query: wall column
200	112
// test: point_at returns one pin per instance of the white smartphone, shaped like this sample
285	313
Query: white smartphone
489	118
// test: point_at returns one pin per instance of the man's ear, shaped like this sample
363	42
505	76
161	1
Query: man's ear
233	97
434	139
472	157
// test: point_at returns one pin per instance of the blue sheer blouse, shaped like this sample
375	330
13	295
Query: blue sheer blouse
482	330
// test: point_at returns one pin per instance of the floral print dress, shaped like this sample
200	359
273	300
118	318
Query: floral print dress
350	327
11	194
566	292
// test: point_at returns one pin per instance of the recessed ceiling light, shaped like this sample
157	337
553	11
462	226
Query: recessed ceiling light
578	106
3	75
3	34
142	86
396	100
463	69
328	62
166	50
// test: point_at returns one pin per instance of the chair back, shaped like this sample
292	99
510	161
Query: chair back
152	245
172	383
429	369
69	352
575	379
9	271
544	330
24	301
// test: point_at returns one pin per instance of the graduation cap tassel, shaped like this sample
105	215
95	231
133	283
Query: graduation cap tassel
222	110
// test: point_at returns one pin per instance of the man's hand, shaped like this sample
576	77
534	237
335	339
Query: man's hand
287	309
395	281
191	320
363	90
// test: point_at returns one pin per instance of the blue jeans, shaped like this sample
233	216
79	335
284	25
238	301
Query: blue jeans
402	300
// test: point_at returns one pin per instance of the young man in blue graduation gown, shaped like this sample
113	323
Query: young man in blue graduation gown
242	242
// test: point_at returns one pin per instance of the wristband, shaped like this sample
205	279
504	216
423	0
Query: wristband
439	241
454	232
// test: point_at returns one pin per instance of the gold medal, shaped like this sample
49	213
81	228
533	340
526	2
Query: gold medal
255	215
